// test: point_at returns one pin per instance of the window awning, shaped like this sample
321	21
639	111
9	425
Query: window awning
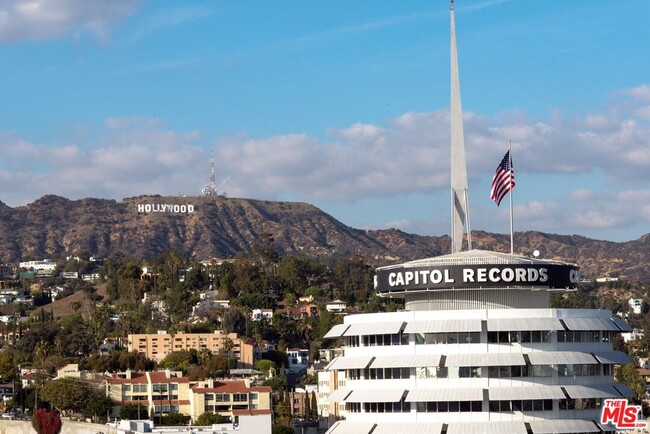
613	358
406	361
349	363
382	328
448	325
518	324
442	395
338	395
590	324
371	395
489	359
337	331
525	392
564	426
624	390
593	391
625	327
561	357
408	428
345	427
500	427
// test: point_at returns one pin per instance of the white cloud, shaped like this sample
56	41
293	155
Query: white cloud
640	93
406	155
140	156
44	19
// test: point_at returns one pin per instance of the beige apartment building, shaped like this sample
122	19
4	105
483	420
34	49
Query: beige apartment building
229	398
157	346
162	392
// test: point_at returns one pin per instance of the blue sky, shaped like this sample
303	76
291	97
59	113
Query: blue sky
340	104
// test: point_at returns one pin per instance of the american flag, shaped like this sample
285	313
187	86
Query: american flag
503	180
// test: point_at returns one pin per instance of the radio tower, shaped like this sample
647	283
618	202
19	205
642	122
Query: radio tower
211	188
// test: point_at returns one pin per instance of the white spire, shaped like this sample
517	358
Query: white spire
459	195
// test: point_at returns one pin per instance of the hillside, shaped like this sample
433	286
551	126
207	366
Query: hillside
221	227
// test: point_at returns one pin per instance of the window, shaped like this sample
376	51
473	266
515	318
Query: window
541	370
469	372
222	397
240	397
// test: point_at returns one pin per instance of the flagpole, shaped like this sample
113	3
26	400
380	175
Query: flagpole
512	242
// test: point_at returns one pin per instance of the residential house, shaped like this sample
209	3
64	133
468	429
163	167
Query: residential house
336	306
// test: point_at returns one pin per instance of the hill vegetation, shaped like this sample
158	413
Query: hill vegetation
223	227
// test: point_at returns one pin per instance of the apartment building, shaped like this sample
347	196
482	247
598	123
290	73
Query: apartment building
162	392
157	346
229	398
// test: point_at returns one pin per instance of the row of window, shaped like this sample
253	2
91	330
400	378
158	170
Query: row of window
515	371
227	397
380	373
156	388
507	406
583	336
166	408
227	408
493	337
379	407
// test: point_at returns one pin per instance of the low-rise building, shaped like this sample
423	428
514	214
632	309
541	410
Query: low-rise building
298	359
336	306
158	346
636	304
44	265
228	397
262	314
162	392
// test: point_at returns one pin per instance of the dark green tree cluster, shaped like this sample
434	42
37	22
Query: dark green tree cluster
199	365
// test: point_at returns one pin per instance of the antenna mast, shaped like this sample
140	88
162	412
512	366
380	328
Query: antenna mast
211	188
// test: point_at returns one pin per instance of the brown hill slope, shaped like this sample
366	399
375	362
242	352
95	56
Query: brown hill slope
222	227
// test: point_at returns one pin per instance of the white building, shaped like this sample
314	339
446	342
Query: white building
477	349
298	359
636	304
44	265
336	306
262	314
477	346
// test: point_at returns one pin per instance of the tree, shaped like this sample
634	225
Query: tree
179	360
67	394
265	366
353	277
174	419
234	321
98	406
133	412
282	429
307	414
7	366
314	406
208	418
46	421
628	374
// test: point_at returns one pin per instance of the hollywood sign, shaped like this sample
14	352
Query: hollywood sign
465	276
165	208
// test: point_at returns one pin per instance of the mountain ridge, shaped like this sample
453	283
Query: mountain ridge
55	226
